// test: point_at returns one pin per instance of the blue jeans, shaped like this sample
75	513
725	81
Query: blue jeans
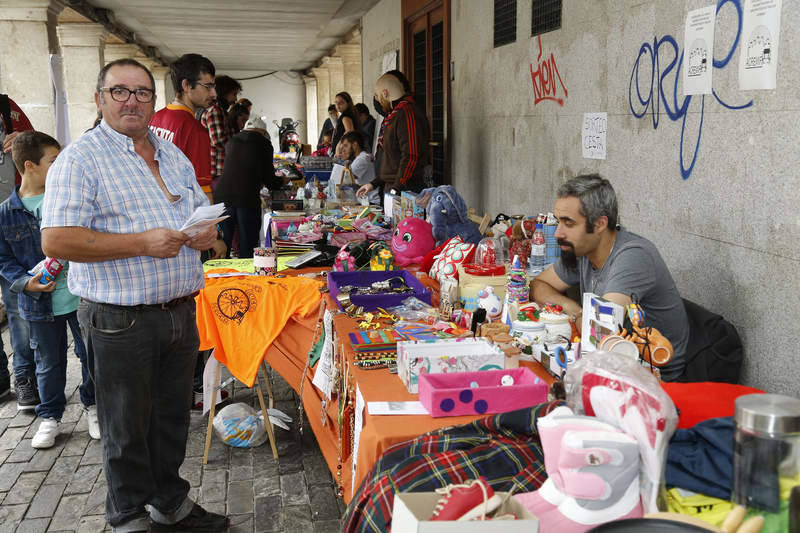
49	343
19	330
144	358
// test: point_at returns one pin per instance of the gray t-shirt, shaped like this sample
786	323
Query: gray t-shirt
635	266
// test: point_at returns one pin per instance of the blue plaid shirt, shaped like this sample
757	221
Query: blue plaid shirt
99	182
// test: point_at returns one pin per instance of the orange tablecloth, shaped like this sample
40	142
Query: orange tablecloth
287	355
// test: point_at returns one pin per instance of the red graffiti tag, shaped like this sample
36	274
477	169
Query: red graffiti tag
544	79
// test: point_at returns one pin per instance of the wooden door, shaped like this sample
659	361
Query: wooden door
426	45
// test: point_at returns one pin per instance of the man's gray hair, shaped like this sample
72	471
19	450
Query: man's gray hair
597	198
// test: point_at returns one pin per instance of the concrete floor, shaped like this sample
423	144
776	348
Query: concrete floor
63	488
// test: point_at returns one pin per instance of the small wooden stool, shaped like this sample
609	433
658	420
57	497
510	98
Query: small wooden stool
267	423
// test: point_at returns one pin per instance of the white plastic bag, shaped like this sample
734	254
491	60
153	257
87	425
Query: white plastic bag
617	389
240	425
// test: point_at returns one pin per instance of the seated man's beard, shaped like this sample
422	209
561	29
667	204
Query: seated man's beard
568	258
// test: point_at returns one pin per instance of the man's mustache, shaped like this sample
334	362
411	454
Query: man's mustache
564	242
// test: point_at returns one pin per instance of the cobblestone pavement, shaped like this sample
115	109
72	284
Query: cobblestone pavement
64	489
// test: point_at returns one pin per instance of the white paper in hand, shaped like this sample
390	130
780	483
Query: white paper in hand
203	217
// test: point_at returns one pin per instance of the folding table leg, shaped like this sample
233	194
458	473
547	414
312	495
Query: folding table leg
267	423
211	414
266	382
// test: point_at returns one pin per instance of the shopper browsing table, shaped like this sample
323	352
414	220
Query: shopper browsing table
114	200
611	262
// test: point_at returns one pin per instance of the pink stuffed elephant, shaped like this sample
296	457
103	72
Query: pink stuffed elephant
412	239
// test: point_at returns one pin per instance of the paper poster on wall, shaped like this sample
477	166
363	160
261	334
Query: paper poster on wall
593	135
699	50
758	59
389	61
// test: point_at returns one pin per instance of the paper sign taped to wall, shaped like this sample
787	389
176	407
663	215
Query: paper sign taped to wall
758	59
699	50
593	135
389	61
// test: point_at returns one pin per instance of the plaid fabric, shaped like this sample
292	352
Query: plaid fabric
505	449
218	133
100	182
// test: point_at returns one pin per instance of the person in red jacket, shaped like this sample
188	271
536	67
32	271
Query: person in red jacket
13	121
403	139
193	79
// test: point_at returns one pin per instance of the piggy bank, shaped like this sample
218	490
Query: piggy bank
412	239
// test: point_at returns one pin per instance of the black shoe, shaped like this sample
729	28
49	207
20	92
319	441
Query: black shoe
197	521
27	395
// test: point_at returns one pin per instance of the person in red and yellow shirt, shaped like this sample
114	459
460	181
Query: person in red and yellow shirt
193	79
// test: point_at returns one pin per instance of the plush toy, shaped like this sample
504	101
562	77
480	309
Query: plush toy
447	213
488	300
520	246
412	239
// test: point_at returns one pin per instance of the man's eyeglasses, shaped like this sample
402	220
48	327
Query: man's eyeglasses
209	86
121	94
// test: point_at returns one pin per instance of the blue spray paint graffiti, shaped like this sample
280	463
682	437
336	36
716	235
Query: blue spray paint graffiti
653	97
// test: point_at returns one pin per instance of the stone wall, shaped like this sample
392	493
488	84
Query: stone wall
380	33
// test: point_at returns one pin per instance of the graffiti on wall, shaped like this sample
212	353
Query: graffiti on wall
664	58
547	82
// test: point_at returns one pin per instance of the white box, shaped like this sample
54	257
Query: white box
413	509
466	354
601	318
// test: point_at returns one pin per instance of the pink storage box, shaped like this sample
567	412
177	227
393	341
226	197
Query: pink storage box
451	394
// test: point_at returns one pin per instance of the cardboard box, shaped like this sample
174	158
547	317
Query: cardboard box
408	203
412	511
470	354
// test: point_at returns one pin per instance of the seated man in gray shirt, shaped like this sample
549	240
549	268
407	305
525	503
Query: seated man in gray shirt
611	262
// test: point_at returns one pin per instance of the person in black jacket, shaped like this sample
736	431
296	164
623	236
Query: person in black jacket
367	125
248	168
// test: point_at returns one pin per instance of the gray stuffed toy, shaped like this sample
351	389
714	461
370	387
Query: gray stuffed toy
447	213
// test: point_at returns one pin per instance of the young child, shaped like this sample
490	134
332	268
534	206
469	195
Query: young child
48	307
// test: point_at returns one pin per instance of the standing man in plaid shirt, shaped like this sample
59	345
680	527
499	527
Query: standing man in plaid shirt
214	121
114	203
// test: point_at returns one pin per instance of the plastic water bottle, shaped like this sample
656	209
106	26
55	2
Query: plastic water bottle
538	251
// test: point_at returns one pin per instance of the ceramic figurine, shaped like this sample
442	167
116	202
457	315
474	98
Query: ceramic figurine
488	300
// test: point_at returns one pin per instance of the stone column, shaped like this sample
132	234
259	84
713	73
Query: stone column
160	75
312	126
27	38
82	51
351	60
164	93
113	52
324	97
335	67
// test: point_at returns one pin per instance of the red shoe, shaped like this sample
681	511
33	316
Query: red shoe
465	501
